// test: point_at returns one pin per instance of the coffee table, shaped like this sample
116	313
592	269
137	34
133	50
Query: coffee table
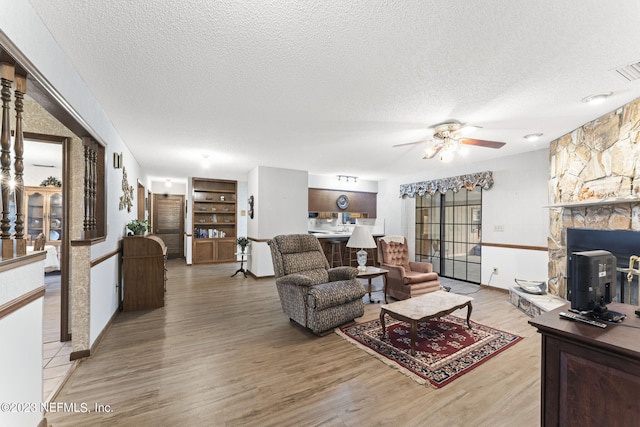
422	308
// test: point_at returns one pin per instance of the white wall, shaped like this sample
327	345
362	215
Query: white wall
21	357
512	214
168	187
331	182
281	203
103	296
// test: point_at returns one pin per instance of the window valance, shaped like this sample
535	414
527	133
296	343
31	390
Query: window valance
454	183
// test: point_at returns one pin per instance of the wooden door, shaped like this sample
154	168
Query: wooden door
141	202
168	222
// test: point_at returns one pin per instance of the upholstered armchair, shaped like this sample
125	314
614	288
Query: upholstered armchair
406	278
312	294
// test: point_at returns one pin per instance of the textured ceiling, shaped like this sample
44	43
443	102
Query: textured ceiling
331	86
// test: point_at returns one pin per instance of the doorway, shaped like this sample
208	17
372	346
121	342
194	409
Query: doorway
449	232
45	206
168	222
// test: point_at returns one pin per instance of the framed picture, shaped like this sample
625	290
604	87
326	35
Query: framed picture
117	160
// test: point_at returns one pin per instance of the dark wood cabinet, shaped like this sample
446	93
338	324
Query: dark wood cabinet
590	376
361	204
144	272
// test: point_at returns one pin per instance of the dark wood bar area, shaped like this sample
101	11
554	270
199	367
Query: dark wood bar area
347	255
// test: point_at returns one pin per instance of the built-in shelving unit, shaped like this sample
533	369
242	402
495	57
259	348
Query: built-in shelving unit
214	220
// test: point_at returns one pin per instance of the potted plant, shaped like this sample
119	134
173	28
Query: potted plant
243	242
138	227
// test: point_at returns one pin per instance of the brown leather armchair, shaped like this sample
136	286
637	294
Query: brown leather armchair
406	278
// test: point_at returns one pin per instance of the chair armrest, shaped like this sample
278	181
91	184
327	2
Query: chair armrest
295	279
422	267
342	273
395	271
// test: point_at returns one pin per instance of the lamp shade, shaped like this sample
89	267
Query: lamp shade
361	238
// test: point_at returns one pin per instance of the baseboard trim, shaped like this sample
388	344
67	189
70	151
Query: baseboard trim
87	353
81	354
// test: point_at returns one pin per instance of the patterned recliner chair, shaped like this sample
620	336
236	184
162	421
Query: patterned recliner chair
312	294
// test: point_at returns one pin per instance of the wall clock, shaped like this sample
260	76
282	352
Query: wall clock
342	201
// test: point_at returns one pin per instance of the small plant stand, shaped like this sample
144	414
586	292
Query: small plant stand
241	269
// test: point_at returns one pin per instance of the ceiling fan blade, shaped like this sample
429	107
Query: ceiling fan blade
481	143
411	143
431	152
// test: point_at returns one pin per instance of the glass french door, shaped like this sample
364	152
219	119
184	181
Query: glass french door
449	232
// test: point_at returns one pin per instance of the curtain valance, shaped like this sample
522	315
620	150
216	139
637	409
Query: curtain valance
454	183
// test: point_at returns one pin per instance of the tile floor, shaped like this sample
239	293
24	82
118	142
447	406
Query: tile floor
56	364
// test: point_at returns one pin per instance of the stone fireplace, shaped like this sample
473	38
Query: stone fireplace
594	184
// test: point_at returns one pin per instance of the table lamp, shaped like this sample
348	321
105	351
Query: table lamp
361	238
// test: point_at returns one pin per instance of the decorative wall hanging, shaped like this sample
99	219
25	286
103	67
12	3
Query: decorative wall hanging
251	200
454	183
52	181
126	200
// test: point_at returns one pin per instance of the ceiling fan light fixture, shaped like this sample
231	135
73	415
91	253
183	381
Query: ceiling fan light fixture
446	156
467	130
532	137
429	152
597	98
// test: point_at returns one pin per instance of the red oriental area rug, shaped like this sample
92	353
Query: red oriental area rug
445	348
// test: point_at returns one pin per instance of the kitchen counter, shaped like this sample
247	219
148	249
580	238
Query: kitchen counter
336	234
346	253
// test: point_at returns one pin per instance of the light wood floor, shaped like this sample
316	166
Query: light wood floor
222	353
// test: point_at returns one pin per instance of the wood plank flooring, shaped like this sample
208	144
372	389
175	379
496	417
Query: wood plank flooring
222	353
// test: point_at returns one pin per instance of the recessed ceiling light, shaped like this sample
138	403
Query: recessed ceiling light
205	161
596	98
532	137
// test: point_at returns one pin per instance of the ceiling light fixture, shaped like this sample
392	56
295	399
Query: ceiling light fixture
347	178
597	98
532	137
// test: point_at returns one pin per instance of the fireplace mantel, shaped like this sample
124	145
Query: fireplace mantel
596	202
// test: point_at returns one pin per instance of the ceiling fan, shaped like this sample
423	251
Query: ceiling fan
448	137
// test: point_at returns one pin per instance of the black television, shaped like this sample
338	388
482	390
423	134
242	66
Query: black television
592	283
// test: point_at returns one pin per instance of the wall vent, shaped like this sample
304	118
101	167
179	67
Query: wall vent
630	72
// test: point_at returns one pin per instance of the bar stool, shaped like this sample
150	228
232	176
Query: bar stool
336	253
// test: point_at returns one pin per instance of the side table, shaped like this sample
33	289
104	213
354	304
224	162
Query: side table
372	272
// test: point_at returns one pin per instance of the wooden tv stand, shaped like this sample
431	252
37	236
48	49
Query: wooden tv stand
590	376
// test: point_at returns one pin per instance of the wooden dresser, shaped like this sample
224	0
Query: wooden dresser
590	376
144	272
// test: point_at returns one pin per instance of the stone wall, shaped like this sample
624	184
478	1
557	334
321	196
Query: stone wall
596	161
